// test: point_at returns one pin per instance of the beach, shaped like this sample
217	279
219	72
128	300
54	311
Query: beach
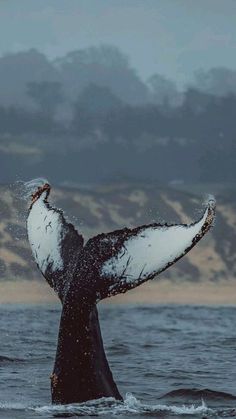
153	292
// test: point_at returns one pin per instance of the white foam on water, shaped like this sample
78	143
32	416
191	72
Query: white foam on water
13	406
135	406
111	407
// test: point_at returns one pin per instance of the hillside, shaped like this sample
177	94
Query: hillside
114	206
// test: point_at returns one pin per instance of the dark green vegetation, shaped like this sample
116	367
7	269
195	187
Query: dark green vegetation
113	206
87	117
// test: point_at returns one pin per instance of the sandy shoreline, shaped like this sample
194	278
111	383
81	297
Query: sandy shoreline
153	292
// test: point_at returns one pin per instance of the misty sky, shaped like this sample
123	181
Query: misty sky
170	37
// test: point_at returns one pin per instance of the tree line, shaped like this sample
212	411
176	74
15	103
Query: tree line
94	102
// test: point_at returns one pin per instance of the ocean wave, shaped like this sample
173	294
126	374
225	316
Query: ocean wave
205	394
13	406
6	359
109	406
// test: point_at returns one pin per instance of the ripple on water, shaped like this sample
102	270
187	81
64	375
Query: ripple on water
172	361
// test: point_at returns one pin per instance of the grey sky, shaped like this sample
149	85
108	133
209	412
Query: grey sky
171	37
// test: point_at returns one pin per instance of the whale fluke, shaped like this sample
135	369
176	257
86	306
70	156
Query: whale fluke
126	258
55	243
82	275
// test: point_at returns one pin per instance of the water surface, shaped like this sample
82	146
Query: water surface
168	361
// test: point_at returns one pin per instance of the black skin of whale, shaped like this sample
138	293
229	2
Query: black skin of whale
81	370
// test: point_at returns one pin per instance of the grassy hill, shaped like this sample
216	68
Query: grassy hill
109	207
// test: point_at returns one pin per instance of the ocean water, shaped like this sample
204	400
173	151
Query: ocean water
168	361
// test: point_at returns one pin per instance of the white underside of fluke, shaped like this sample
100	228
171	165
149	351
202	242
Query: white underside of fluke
144	253
151	250
45	233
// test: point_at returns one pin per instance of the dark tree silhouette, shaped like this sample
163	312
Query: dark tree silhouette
17	121
163	91
98	100
218	81
92	107
47	95
103	66
16	70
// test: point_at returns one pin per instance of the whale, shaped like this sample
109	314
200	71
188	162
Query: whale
82	274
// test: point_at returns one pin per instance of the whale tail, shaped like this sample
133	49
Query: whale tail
123	259
82	275
81	371
109	263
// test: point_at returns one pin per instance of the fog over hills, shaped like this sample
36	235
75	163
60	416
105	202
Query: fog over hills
172	38
87	117
128	108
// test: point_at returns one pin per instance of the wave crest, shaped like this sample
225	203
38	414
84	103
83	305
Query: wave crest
205	394
110	406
